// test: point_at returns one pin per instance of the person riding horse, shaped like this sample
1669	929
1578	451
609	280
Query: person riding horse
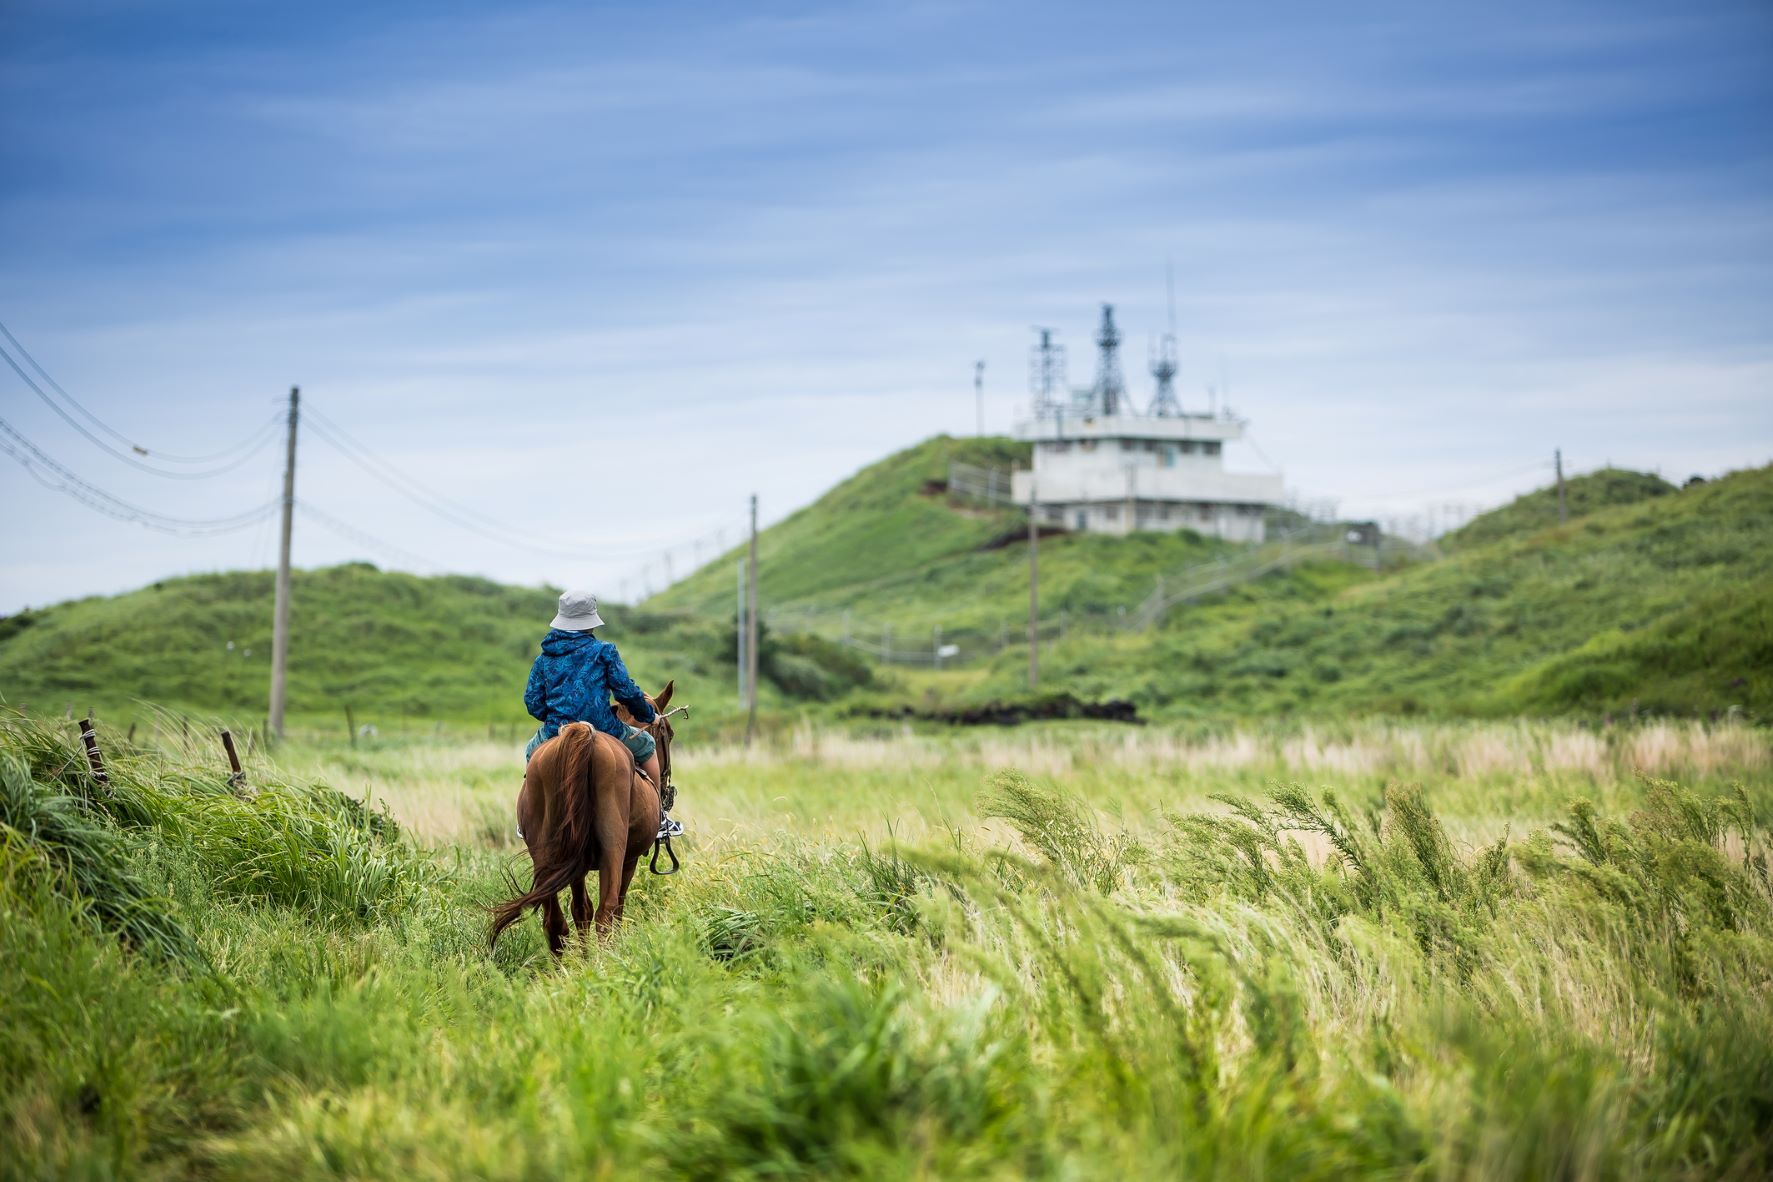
591	802
574	679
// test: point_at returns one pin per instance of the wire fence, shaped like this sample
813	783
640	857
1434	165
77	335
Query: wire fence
956	643
977	483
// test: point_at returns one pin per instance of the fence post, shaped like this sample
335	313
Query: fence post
236	776
95	760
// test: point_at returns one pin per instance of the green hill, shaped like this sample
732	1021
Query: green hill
1649	598
1662	605
890	557
1538	509
397	648
891	518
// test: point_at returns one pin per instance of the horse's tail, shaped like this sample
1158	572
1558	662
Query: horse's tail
567	821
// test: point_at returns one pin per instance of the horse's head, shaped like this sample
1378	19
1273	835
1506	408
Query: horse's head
663	733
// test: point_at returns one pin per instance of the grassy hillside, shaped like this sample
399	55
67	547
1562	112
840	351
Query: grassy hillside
887	553
1655	600
1664	604
1650	598
886	520
395	647
1538	509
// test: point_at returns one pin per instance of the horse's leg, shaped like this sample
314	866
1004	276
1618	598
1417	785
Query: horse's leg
627	880
581	907
554	924
611	790
609	886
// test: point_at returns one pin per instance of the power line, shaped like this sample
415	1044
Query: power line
1262	455
457	514
415	492
351	533
247	447
54	476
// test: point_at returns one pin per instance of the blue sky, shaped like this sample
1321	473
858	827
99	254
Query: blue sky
603	271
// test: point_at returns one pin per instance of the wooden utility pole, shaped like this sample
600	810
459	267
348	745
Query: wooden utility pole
1033	586
280	623
751	633
1563	506
739	627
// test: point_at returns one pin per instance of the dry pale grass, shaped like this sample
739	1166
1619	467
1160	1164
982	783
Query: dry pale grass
1575	751
1676	749
817	778
1490	753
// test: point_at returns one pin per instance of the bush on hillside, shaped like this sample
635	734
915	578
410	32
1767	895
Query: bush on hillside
12	625
802	665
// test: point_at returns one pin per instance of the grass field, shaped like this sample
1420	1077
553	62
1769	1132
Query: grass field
1440	951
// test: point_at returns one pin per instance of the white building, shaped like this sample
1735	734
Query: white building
1122	471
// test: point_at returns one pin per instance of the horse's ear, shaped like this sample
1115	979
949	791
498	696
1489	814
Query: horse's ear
664	698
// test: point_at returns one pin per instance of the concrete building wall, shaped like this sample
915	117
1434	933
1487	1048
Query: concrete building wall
1127	473
1094	481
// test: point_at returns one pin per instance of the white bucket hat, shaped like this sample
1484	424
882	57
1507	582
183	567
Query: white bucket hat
578	612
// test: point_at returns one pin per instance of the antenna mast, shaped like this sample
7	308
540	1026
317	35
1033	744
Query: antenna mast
1163	360
1111	391
1046	373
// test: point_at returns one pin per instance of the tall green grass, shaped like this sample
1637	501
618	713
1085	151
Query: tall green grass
1385	980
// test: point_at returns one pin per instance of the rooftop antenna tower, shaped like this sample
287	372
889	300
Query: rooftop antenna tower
1163	360
1111	391
1046	373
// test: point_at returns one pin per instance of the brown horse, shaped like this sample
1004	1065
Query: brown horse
585	807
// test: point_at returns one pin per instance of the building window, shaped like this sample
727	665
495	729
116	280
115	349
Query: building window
1212	448
1170	456
1083	520
1086	444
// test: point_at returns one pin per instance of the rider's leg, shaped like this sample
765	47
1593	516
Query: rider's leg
646	753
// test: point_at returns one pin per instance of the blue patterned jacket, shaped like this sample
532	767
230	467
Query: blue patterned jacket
572	681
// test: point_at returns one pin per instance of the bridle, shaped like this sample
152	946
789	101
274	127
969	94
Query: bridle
667	790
